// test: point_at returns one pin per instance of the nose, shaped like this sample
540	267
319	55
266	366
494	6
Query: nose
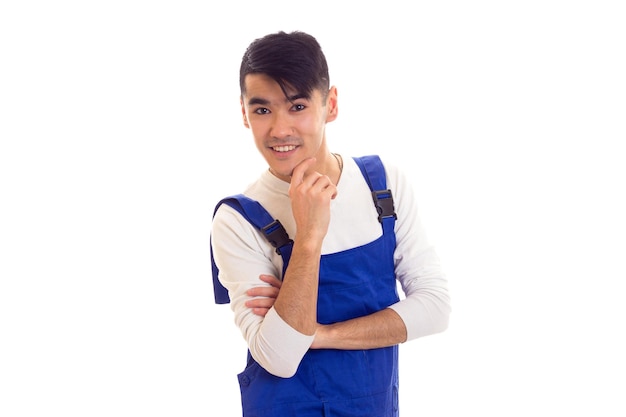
282	126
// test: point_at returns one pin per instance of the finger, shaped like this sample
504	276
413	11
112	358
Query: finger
270	279
260	311
260	303
314	180
263	292
318	181
297	177
322	184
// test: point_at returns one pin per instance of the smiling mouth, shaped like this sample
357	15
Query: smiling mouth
286	148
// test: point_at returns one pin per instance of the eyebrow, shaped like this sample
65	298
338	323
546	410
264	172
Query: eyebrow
263	102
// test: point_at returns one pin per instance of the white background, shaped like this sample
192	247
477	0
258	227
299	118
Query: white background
120	129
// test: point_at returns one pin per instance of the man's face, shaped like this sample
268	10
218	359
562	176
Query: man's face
286	130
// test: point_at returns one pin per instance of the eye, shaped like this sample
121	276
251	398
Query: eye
262	110
298	107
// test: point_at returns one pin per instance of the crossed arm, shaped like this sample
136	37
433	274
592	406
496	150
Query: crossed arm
381	329
295	299
286	326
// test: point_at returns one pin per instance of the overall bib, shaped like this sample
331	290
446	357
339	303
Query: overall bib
352	283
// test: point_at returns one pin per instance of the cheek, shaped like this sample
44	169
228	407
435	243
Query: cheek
310	124
257	127
259	135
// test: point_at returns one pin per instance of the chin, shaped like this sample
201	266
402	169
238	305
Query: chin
281	172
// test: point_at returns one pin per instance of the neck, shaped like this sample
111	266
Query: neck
331	165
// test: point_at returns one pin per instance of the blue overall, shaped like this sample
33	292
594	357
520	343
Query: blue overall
352	283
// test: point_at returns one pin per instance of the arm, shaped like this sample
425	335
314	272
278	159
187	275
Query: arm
241	253
384	328
310	195
424	311
426	307
277	336
381	329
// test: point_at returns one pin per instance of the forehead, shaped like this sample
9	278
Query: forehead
256	83
263	87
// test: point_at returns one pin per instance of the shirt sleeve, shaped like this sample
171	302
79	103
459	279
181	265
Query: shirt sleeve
242	254
426	308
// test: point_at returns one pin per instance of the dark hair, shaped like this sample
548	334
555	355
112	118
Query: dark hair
293	60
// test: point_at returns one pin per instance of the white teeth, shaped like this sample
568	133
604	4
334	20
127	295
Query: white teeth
284	148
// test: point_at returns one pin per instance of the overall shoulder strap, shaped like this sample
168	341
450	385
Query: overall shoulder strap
374	172
372	169
272	229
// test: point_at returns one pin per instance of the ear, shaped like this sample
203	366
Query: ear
331	105
243	113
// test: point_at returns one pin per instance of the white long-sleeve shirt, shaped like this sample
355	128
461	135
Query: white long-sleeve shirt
242	254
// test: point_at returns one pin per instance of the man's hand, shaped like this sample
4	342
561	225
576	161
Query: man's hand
310	193
295	299
266	295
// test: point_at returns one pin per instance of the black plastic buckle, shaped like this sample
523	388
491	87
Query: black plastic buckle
277	235
383	200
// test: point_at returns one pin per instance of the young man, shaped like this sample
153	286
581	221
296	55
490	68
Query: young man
321	314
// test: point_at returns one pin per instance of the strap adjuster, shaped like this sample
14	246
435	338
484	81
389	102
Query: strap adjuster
277	235
383	200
